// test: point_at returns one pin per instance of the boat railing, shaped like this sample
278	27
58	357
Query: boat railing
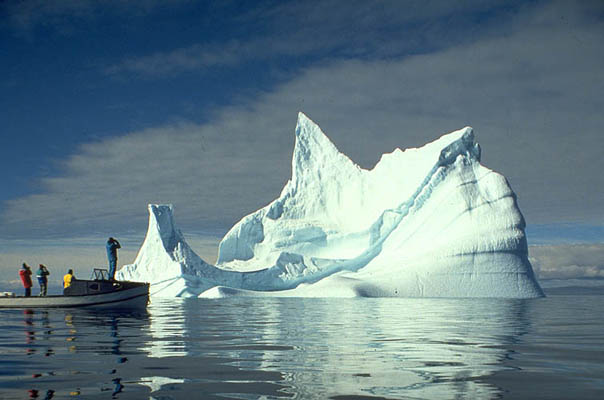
100	274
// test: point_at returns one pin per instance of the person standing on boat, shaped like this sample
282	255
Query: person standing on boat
25	274
42	274
112	246
68	278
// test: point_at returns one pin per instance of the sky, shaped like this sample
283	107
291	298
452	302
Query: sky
107	106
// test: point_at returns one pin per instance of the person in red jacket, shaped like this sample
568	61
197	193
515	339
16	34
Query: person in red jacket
25	274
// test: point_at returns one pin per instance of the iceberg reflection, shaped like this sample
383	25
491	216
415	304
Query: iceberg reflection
322	348
421	348
167	329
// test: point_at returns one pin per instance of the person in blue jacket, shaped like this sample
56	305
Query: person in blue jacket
112	246
42	275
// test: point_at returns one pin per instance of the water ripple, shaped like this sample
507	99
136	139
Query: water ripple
298	348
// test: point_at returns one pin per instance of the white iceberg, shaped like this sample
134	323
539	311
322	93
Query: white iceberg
430	222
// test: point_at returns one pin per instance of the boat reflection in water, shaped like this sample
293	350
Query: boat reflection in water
64	353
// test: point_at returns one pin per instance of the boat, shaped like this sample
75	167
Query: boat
97	293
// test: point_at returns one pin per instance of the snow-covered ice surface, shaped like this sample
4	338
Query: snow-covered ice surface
430	222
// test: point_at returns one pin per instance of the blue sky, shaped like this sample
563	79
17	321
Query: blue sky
110	105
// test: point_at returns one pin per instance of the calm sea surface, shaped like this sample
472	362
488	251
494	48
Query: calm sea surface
249	348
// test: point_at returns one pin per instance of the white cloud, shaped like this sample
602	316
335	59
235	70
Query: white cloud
533	96
568	261
186	58
325	29
107	184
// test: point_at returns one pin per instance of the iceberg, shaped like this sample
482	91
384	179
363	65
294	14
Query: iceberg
424	222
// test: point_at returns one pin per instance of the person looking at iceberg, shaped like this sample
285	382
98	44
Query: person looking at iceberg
25	275
112	246
42	274
68	278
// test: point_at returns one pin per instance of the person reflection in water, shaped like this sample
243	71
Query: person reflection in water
30	331
118	386
35	394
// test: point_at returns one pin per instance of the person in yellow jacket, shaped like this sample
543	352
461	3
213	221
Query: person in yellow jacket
67	278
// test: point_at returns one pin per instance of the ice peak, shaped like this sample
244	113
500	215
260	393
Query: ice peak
311	143
314	151
161	225
464	144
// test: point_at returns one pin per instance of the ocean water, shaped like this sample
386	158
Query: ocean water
245	348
